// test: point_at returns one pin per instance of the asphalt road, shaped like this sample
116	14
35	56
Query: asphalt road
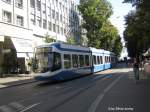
114	92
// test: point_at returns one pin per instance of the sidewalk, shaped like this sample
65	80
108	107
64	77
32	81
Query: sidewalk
16	79
19	79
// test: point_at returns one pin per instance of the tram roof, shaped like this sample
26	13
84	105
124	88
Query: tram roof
65	46
96	50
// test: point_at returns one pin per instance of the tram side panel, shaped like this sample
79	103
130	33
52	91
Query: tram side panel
97	60
75	65
107	60
75	62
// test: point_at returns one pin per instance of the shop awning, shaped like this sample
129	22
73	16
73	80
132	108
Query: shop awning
23	47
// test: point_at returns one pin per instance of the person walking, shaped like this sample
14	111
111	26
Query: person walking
136	69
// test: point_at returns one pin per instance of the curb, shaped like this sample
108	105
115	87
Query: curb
3	86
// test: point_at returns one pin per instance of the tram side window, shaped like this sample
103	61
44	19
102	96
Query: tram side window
98	60
101	59
75	61
87	62
94	60
81	60
56	62
67	61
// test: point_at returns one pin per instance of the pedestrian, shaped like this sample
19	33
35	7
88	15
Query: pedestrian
136	69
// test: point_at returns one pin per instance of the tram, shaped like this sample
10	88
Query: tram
60	61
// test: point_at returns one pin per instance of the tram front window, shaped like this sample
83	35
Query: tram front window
44	61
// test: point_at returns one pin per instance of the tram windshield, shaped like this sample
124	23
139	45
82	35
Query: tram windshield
44	61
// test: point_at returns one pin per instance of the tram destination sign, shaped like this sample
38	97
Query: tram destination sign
44	49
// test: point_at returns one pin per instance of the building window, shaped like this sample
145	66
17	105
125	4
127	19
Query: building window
50	26
53	14
58	29
6	17
49	11
7	1
19	3
32	3
64	19
61	30
54	28
38	3
64	31
44	24
60	18
57	3
39	22
33	21
60	5
57	16
44	8
19	21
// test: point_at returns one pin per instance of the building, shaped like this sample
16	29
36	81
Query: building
24	23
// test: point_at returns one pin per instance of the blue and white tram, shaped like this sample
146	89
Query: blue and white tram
58	61
97	59
113	59
107	59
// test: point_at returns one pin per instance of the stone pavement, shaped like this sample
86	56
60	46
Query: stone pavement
13	80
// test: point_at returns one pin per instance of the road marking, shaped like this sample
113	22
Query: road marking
102	76
99	98
17	105
29	107
5	108
2	86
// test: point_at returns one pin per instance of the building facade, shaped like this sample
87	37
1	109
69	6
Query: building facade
24	23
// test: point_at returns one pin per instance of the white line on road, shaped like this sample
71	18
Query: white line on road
5	108
30	106
2	86
99	98
17	105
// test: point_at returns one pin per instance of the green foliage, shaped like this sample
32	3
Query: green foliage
100	32
71	40
137	31
48	39
94	13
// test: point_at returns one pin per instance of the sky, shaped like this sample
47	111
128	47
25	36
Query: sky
120	10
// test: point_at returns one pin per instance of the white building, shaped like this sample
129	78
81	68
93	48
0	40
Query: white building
24	23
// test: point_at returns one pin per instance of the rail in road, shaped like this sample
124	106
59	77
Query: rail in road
93	93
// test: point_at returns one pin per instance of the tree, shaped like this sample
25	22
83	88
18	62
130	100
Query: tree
137	31
48	38
100	32
94	13
71	40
